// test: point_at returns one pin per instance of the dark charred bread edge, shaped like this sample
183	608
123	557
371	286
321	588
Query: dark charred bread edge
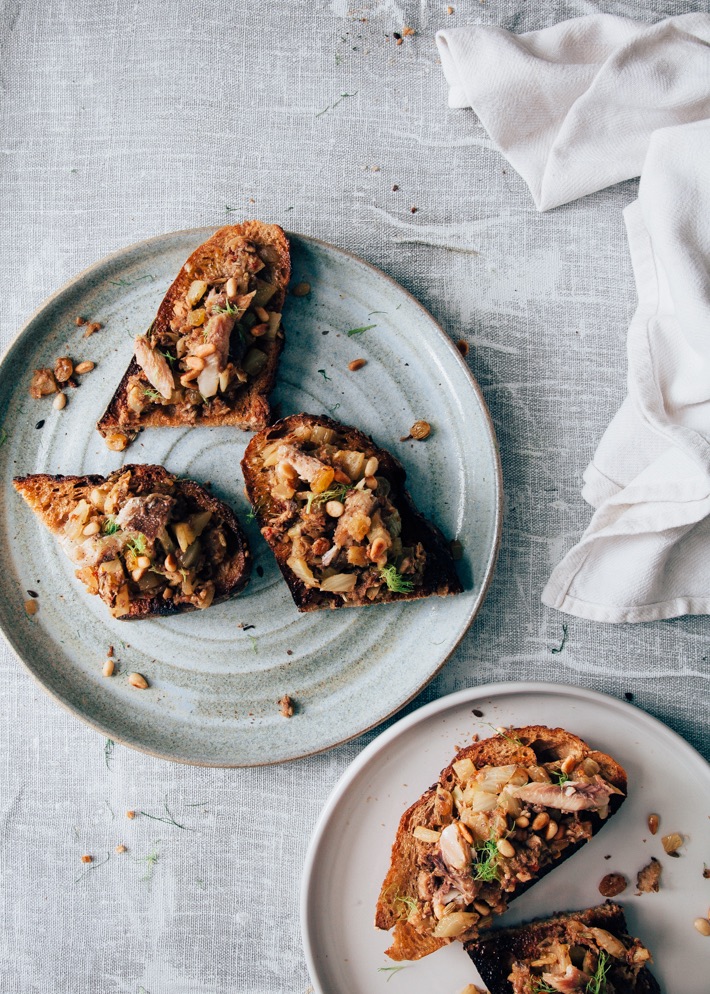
495	953
53	498
498	750
252	411
440	575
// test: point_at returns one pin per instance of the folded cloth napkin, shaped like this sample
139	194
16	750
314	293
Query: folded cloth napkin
572	107
646	552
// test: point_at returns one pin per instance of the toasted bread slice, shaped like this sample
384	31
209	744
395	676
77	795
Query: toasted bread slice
333	508
460	855
146	542
210	357
577	952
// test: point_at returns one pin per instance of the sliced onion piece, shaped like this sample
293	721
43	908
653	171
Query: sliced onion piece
340	583
454	924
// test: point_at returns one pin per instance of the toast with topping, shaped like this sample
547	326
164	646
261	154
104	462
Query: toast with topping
576	953
333	508
146	542
211	354
504	813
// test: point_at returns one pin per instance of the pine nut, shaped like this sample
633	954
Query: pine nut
170	563
481	907
31	607
540	821
84	367
356	364
505	848
341	477
59	402
334	508
130	814
653	823
187	378
87	859
143	562
371	482
109	667
209	348
259	329
195	362
121	849
138	681
551	831
568	764
301	290
137	574
464	832
262	314
231	287
371	466
702	925
92	528
522	821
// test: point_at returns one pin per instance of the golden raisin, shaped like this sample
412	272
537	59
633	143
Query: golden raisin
420	430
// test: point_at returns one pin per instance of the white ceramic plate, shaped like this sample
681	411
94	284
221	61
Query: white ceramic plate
349	853
213	686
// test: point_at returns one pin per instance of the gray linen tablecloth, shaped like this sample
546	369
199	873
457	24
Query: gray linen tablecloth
124	120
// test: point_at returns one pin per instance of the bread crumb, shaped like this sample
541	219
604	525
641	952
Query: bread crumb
286	706
648	879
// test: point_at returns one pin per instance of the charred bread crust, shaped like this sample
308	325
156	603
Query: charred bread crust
494	954
52	498
400	884
252	411
440	575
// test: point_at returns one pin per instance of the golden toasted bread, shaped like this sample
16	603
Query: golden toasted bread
146	542
333	508
581	951
505	812
210	357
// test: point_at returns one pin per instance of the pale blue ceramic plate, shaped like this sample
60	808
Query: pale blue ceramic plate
215	686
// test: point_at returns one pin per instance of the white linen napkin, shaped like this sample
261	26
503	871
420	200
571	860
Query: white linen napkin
572	107
646	552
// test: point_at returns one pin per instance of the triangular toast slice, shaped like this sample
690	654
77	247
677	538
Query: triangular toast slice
580	951
145	541
333	507
504	813
210	357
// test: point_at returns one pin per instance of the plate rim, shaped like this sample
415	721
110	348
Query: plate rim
442	704
489	572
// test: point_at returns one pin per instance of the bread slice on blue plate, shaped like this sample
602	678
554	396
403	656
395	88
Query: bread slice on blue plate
334	509
210	356
146	542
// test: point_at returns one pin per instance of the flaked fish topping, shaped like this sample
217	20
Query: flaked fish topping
492	829
342	529
156	545
216	339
